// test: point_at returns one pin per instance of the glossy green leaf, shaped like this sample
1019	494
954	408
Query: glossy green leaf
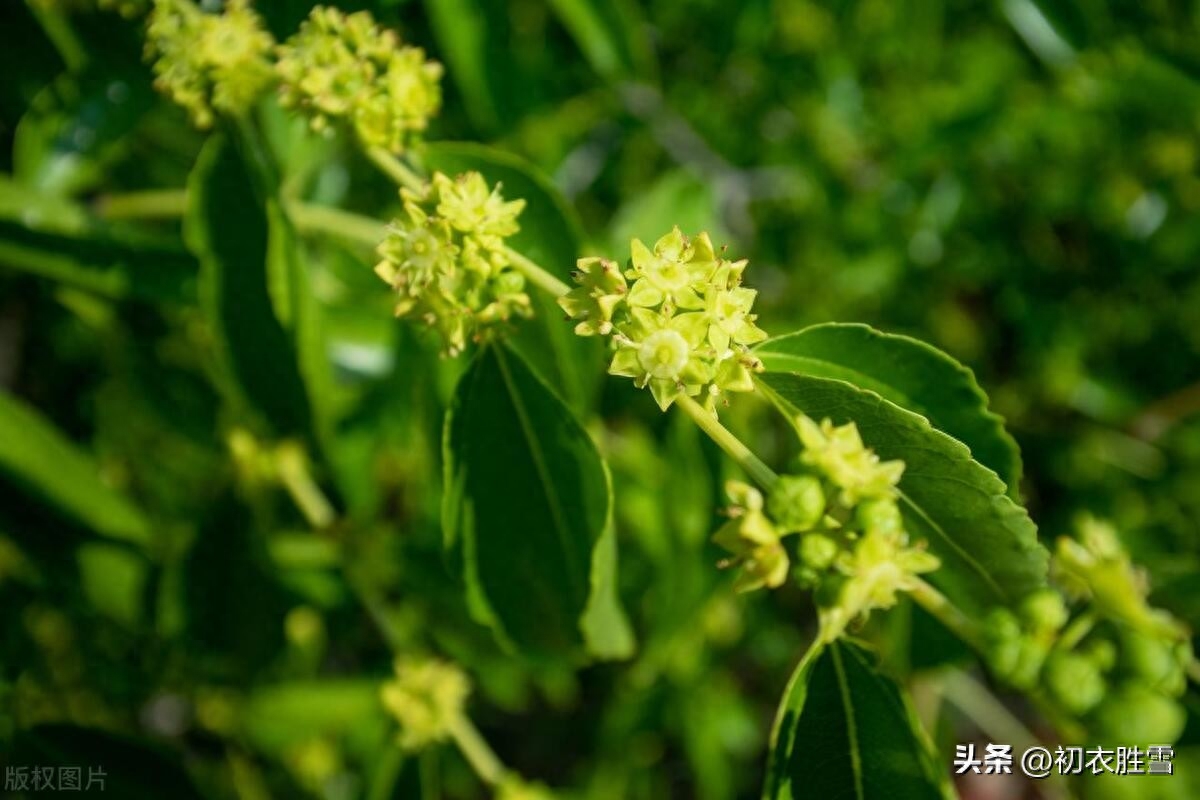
41	462
551	236
528	504
988	545
227	228
913	375
844	730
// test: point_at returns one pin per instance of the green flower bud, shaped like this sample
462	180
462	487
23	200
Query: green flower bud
1002	641
881	516
426	697
345	67
209	62
818	551
446	259
796	503
1102	653
1074	681
1160	664
1044	611
1134	713
837	452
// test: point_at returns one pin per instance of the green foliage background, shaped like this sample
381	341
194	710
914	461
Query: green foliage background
1016	183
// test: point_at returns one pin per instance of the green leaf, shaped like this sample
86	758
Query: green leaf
39	461
550	235
913	375
277	718
988	545
844	730
54	238
528	503
608	34
226	226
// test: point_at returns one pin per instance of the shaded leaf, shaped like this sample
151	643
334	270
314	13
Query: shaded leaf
41	462
987	543
527	500
913	375
227	228
843	730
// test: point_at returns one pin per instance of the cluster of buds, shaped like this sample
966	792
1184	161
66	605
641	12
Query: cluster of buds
426	697
678	316
345	67
841	504
209	63
1119	666
446	259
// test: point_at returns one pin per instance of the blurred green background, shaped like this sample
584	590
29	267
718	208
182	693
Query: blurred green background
1015	182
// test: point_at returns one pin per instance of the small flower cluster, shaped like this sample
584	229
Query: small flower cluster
426	697
209	62
1119	665
841	501
446	258
340	66
678	316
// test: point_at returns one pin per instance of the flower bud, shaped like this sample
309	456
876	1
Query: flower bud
1044	611
796	503
818	551
1074	681
1161	665
879	516
1134	713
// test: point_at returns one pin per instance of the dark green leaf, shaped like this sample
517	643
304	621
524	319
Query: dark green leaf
528	501
987	543
911	374
40	462
844	730
227	228
550	235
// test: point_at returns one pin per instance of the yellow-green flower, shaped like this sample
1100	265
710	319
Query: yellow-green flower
680	278
345	67
601	290
674	274
837	452
209	62
446	259
752	540
876	569
664	353
1097	567
426	697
